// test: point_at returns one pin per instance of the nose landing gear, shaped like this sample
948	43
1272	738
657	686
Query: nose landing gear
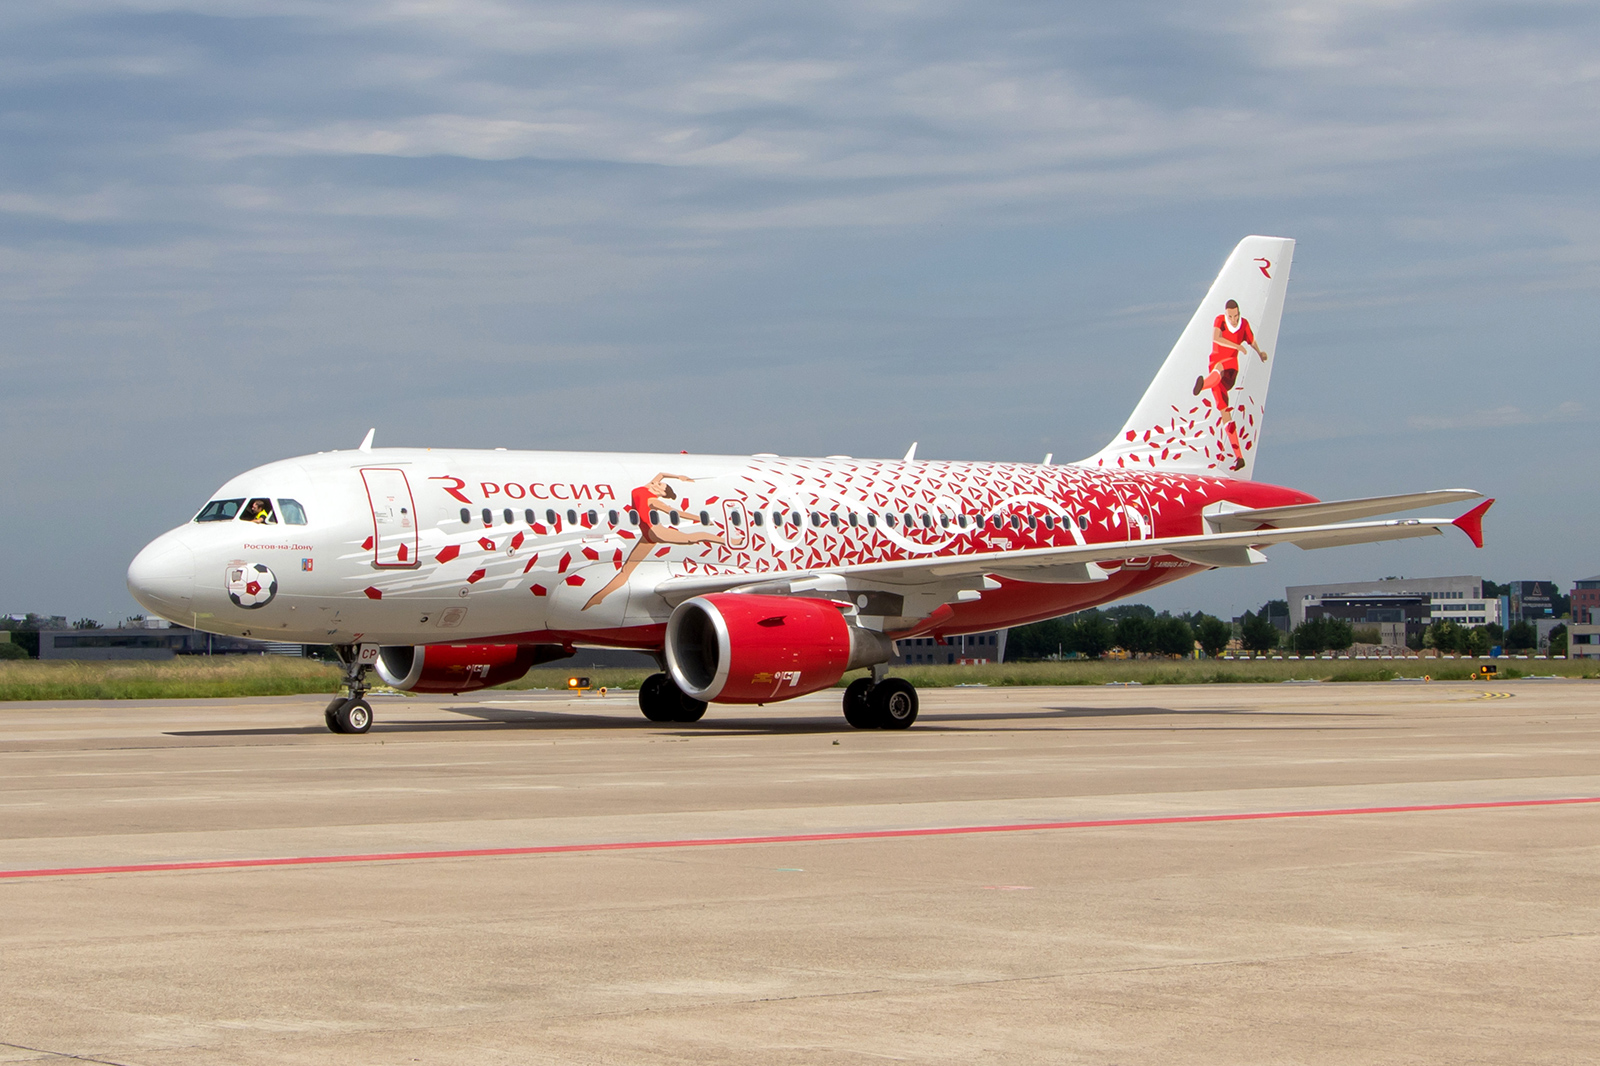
352	713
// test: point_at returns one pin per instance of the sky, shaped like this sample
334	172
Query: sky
237	231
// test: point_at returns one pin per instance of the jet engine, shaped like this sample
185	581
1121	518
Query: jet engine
733	648
461	667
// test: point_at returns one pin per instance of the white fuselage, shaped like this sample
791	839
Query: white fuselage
417	546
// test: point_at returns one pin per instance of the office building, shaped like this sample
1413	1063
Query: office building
1533	601
1400	608
1583	639
972	648
153	640
1586	600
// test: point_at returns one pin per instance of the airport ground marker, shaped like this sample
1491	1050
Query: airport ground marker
783	838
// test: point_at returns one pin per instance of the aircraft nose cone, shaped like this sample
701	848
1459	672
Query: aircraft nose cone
161	577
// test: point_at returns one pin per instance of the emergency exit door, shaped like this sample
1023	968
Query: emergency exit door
394	517
1140	523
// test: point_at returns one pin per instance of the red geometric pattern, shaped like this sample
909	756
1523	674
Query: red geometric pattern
1200	428
935	508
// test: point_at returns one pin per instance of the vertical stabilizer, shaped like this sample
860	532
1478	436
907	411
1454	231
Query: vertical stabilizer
1203	411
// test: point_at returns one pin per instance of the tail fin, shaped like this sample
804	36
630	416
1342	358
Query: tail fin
1197	417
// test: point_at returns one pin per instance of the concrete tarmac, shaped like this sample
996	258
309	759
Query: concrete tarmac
1362	934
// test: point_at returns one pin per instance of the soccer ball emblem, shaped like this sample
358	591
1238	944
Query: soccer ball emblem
251	585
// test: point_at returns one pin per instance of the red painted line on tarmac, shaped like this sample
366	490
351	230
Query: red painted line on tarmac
785	838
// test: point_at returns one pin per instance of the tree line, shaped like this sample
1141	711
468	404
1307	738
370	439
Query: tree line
1138	629
1135	628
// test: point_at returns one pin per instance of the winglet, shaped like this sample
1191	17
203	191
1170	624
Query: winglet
1471	523
366	442
911	453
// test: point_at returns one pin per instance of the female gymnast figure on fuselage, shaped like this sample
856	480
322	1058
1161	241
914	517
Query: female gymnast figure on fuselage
647	500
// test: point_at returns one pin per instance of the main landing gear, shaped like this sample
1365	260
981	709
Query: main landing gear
662	700
880	702
352	713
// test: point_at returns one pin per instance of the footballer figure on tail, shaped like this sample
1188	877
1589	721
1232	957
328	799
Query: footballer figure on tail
1229	334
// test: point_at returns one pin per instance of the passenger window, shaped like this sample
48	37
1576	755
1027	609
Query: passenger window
259	511
755	517
655	516
816	519
672	516
466	517
794	518
488	517
593	518
872	520
705	518
1083	521
854	521
927	521
293	513
550	516
219	511
1049	521
572	517
944	521
528	516
633	518
611	517
833	519
1033	522
733	517
961	520
1016	523
510	516
889	518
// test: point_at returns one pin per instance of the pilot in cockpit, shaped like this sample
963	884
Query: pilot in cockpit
259	511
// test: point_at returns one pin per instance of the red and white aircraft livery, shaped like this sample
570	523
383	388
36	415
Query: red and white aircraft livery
753	579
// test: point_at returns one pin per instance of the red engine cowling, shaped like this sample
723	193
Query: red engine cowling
732	648
460	667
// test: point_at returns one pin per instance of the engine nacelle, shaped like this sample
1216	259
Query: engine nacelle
732	648
461	667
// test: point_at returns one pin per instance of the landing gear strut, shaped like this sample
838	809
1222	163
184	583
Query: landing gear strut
352	713
662	700
880	701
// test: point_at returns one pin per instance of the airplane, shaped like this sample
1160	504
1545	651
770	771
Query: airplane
754	579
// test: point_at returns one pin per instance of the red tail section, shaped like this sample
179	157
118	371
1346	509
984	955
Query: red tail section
1471	523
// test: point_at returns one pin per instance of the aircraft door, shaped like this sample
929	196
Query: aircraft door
1140	522
394	517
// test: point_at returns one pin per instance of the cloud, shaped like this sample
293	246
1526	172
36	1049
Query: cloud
1500	417
815	227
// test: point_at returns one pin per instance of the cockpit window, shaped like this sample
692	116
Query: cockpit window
219	511
260	512
293	513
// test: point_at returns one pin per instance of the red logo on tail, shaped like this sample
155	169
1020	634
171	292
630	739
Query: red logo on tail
1265	263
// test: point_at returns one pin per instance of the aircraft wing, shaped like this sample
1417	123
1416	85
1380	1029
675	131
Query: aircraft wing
1231	518
1070	564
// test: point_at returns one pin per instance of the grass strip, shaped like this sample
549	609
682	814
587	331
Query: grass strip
188	677
199	676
